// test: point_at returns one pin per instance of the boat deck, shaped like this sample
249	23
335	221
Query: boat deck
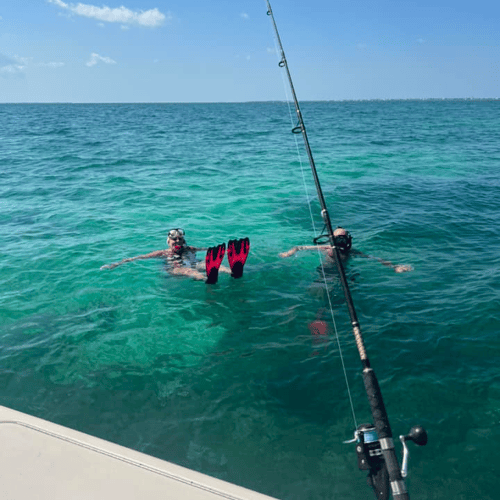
39	459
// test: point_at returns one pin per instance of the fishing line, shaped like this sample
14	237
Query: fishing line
299	156
375	443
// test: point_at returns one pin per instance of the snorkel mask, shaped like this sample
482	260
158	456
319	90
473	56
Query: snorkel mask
177	235
343	241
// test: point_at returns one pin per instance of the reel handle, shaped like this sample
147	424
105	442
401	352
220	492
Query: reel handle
418	435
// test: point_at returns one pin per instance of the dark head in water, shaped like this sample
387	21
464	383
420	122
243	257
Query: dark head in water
343	240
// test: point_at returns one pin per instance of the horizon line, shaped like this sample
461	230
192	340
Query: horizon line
268	101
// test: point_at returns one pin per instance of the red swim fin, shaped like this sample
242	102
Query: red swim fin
237	253
213	260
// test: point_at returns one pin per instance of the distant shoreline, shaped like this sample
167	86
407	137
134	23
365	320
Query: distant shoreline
433	99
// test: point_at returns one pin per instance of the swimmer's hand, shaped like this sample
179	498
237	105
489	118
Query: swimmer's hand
288	254
109	266
403	269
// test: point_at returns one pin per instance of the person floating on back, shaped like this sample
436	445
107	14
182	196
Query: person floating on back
343	241
181	258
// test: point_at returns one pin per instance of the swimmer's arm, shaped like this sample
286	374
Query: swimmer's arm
397	267
304	247
152	255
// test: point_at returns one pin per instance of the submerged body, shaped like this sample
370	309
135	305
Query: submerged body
181	259
343	241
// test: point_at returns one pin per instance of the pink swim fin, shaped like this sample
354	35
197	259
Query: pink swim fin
237	253
213	261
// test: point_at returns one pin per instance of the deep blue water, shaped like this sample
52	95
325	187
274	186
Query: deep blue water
228	379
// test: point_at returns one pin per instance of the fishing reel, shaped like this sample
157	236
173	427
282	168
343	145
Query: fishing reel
371	458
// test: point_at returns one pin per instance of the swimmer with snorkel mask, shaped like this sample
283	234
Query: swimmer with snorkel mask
181	258
343	241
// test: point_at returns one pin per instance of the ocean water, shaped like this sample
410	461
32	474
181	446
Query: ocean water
228	379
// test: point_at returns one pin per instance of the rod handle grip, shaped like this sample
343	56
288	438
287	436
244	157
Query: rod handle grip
379	414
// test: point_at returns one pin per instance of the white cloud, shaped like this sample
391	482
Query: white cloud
12	66
150	18
11	69
244	15
15	66
51	65
420	40
23	60
59	3
95	58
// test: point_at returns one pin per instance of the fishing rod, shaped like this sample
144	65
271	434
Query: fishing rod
374	443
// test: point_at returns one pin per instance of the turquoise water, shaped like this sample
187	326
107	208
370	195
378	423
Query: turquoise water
227	379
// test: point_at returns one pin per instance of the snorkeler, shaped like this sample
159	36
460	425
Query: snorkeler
343	241
181	258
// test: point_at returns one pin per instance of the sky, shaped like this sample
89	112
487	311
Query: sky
225	51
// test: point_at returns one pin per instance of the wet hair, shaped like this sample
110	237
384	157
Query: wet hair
176	232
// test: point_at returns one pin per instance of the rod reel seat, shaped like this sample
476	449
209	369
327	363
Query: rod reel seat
371	458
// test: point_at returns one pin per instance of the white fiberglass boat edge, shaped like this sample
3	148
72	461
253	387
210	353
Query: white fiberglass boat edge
43	460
